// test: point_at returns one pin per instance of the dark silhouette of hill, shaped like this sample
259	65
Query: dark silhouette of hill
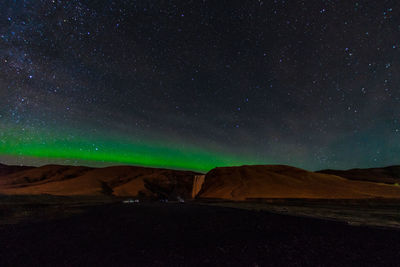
388	175
8	169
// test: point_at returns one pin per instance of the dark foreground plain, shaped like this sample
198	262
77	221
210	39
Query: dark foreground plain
161	234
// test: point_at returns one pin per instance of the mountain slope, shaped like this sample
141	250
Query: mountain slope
118	181
389	175
279	181
233	183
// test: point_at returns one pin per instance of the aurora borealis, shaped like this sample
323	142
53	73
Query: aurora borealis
100	150
199	84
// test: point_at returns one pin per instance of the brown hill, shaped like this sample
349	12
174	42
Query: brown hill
234	183
279	181
388	175
118	181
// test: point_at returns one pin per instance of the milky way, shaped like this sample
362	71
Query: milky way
199	84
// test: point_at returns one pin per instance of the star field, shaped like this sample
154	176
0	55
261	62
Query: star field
199	84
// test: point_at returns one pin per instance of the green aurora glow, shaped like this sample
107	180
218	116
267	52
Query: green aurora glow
23	143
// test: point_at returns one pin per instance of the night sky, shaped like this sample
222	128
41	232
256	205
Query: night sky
199	84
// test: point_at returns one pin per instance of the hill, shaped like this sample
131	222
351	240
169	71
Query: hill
231	183
388	175
117	181
280	181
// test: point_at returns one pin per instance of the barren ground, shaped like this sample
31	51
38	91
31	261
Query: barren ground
189	234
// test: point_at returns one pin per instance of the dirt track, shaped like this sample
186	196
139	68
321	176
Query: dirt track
193	235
